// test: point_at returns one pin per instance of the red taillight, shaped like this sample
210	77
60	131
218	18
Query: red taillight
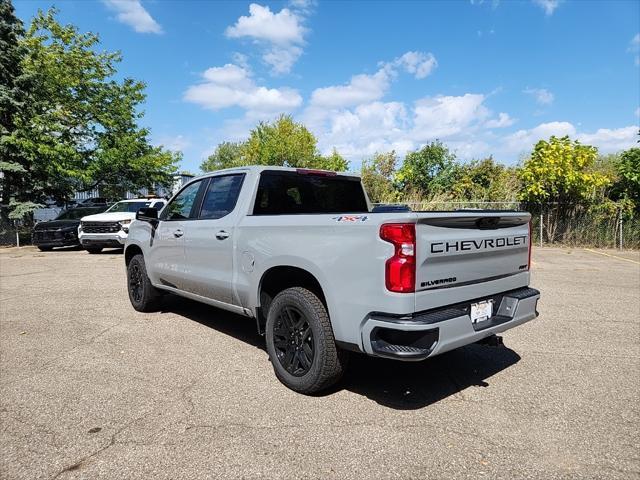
530	244
400	270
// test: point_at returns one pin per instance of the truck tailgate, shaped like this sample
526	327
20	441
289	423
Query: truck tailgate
455	249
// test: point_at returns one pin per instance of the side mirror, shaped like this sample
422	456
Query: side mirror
147	215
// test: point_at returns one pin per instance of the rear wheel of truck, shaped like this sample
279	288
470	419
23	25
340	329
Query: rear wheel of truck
94	249
45	249
143	295
300	342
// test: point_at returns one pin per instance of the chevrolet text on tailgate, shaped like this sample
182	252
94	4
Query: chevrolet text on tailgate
323	273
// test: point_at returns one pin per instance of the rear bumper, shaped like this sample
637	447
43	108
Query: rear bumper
429	333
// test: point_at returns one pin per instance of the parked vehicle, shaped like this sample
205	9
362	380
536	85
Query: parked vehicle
302	252
63	230
93	201
110	229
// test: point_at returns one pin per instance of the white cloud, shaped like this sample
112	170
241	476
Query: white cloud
372	120
232	86
353	117
503	120
549	6
607	140
464	122
417	63
494	3
611	140
445	116
281	28
542	95
132	13
282	60
177	143
523	140
304	6
240	59
364	88
361	88
634	47
281	35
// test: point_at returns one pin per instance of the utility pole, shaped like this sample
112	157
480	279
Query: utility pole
541	222
620	229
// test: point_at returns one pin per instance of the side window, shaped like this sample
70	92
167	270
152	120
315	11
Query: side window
180	207
221	196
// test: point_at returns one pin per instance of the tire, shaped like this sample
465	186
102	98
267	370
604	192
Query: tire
94	250
45	249
144	297
301	344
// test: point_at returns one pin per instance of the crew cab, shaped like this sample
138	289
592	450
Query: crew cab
63	230
323	273
110	228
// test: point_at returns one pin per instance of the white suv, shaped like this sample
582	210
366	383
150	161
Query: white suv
111	228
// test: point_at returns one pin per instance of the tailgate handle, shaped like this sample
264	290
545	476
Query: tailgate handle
486	223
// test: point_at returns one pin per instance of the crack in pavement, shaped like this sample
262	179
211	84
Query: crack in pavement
113	440
39	368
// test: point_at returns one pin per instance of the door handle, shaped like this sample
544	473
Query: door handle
178	233
221	235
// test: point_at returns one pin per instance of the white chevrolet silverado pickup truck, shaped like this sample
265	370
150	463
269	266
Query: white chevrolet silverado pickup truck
323	273
110	228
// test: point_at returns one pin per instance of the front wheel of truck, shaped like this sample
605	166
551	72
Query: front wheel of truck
300	342
143	295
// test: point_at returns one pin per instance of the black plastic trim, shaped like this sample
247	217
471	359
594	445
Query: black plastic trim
471	282
478	222
437	315
352	347
89	242
417	350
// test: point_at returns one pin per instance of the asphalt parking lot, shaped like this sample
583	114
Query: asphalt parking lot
89	388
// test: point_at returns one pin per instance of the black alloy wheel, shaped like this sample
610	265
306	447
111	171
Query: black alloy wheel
293	341
300	342
143	295
136	285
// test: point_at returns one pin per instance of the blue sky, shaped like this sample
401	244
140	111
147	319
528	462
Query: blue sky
484	76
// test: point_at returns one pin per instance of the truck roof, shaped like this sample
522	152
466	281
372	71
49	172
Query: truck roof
262	168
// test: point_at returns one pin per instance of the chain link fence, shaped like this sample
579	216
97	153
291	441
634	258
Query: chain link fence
14	234
552	224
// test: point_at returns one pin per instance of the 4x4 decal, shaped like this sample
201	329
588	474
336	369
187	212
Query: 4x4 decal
351	218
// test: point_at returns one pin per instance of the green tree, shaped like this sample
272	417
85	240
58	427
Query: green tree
562	170
15	86
284	142
378	175
627	185
334	162
226	155
486	180
430	170
80	130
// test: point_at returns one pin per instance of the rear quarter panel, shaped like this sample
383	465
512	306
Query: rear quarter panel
346	257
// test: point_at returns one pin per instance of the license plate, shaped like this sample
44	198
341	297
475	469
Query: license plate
481	311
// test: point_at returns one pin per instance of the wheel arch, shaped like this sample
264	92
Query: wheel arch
130	252
279	278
